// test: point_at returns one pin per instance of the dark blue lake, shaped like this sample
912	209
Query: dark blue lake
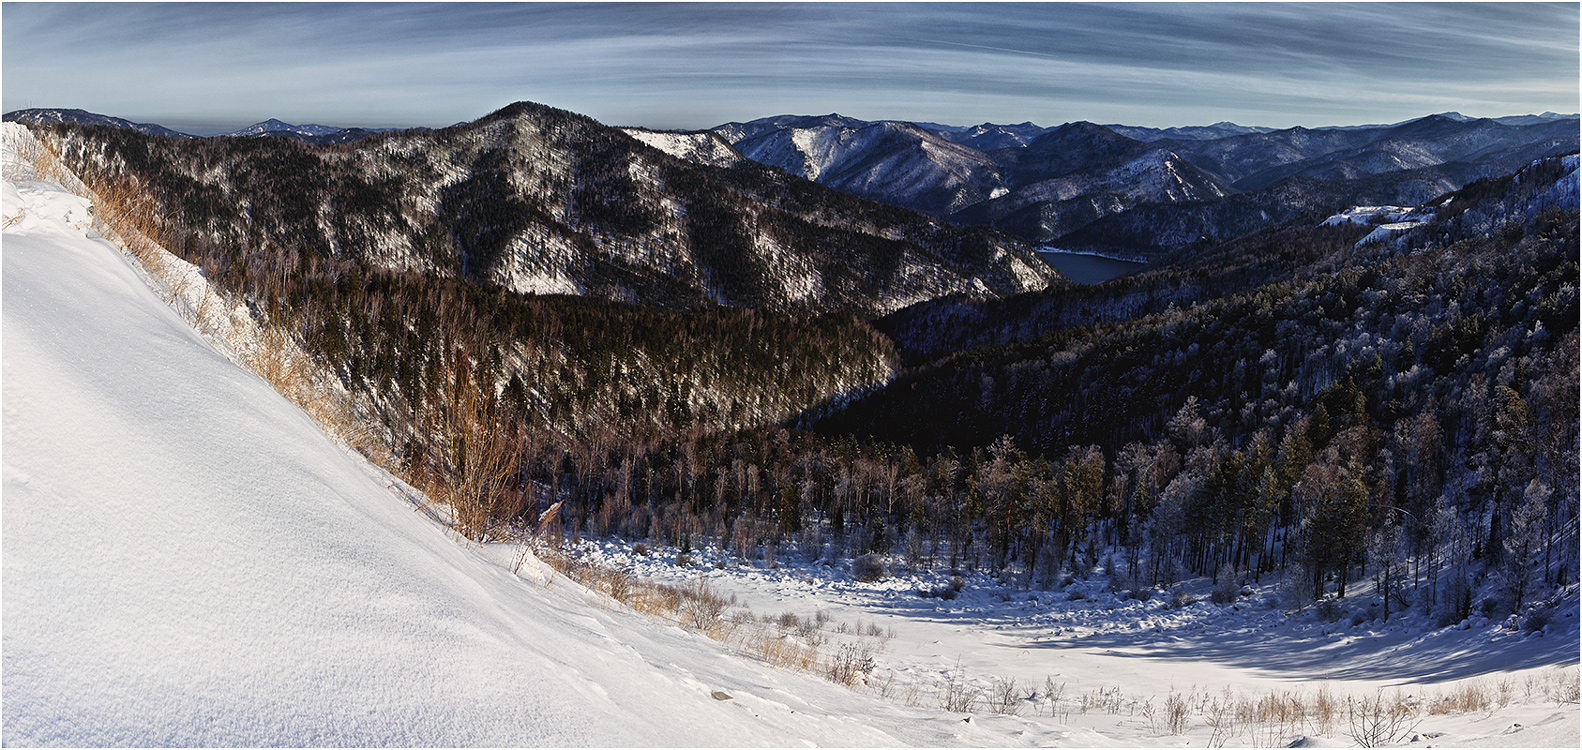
1090	269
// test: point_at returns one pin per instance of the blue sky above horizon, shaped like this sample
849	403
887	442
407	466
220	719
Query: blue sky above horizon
212	67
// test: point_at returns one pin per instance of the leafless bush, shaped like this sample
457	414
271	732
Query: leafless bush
1052	694
811	629
1329	609
1283	710
869	568
1149	713
702	609
776	649
1102	698
1465	697
472	453
885	686
1004	698
1227	588
619	584
1565	688
956	696
1220	715
1374	721
851	664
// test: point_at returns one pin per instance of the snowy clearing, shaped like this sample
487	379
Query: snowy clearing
1105	649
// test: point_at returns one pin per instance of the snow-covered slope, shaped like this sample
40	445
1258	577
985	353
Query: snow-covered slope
703	146
188	560
893	162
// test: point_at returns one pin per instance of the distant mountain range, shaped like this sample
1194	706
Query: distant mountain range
1119	188
1149	191
310	133
84	117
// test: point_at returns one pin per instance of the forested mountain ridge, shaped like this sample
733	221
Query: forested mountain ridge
1146	191
539	200
1241	303
1407	400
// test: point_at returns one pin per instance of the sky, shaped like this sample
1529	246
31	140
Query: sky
206	68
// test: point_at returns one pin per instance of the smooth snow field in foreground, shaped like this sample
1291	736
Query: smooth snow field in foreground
189	560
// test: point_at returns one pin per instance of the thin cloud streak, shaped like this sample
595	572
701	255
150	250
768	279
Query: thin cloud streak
666	65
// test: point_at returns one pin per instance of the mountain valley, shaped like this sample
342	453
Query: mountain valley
735	380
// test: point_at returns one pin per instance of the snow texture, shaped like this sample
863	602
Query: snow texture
702	147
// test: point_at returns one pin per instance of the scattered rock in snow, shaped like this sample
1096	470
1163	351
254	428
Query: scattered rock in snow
721	695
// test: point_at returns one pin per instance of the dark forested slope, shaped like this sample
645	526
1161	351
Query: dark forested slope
539	200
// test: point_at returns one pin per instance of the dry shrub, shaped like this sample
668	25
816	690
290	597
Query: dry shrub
1220	715
869	568
704	611
1374	721
1052	693
956	696
1324	710
618	584
1283	711
1227	588
472	454
36	160
273	355
1566	687
774	648
1102	698
1176	711
1465	697
1004	697
850	665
